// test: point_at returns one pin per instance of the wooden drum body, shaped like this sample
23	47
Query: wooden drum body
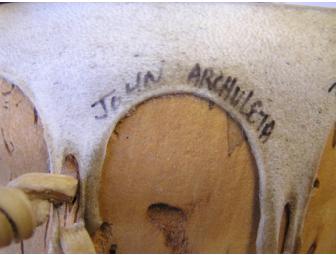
192	128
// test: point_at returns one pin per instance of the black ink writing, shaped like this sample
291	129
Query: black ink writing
102	102
226	87
333	87
112	101
143	80
130	88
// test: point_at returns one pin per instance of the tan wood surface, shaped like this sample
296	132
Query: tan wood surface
178	176
319	235
22	150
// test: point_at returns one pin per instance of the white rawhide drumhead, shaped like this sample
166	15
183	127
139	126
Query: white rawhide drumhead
191	127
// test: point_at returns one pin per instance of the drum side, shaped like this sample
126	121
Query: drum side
22	150
319	232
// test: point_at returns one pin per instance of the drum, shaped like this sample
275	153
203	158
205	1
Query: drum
191	128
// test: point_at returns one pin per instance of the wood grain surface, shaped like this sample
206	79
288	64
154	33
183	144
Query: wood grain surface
319	234
178	177
22	150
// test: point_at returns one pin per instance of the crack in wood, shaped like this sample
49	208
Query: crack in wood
35	116
9	146
334	138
